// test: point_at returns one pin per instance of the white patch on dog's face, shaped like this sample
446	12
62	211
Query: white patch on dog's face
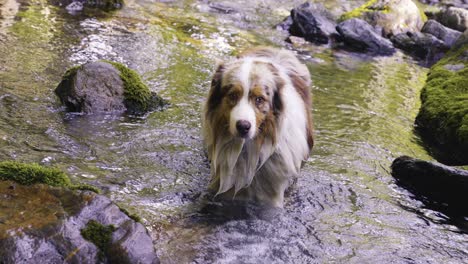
243	113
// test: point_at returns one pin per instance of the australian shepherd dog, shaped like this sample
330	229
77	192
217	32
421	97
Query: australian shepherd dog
257	125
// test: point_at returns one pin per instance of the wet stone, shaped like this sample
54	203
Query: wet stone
360	36
434	183
313	22
421	45
447	35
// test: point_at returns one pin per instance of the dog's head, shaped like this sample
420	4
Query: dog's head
245	97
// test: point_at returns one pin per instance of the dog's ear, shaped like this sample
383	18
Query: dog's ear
277	98
215	94
277	102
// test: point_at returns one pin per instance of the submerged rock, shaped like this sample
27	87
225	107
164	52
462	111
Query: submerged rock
313	23
44	224
443	117
76	6
361	36
421	45
455	18
447	35
393	16
106	87
434	182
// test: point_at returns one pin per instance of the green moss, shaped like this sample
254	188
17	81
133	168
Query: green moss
138	98
85	187
100	235
135	217
28	174
67	76
444	109
32	173
367	7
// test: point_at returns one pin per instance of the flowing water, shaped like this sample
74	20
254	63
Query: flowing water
344	208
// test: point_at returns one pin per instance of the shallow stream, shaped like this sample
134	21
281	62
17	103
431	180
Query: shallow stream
344	207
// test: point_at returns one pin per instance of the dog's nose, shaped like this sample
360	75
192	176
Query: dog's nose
243	127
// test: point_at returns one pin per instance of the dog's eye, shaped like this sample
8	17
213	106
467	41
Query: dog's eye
233	97
259	100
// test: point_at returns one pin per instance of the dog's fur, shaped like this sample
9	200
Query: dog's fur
268	90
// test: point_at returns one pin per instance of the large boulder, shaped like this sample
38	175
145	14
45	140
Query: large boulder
434	182
447	35
313	23
443	117
393	16
360	36
421	45
44	224
105	86
454	17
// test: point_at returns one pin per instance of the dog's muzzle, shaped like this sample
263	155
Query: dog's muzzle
243	128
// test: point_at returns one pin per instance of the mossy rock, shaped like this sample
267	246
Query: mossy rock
99	234
57	225
393	16
32	173
106	87
443	117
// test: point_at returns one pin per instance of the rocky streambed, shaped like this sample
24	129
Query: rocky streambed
345	206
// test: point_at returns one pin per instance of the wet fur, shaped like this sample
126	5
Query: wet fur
261	166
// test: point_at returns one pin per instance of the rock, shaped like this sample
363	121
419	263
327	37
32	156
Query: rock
442	120
361	36
313	23
394	16
447	35
421	45
106	87
76	6
434	182
44	224
455	18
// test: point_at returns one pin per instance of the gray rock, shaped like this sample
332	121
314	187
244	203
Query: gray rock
43	224
313	22
394	16
360	36
93	87
433	181
455	18
420	45
447	35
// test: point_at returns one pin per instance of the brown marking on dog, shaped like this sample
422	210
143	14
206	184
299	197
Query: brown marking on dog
302	87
